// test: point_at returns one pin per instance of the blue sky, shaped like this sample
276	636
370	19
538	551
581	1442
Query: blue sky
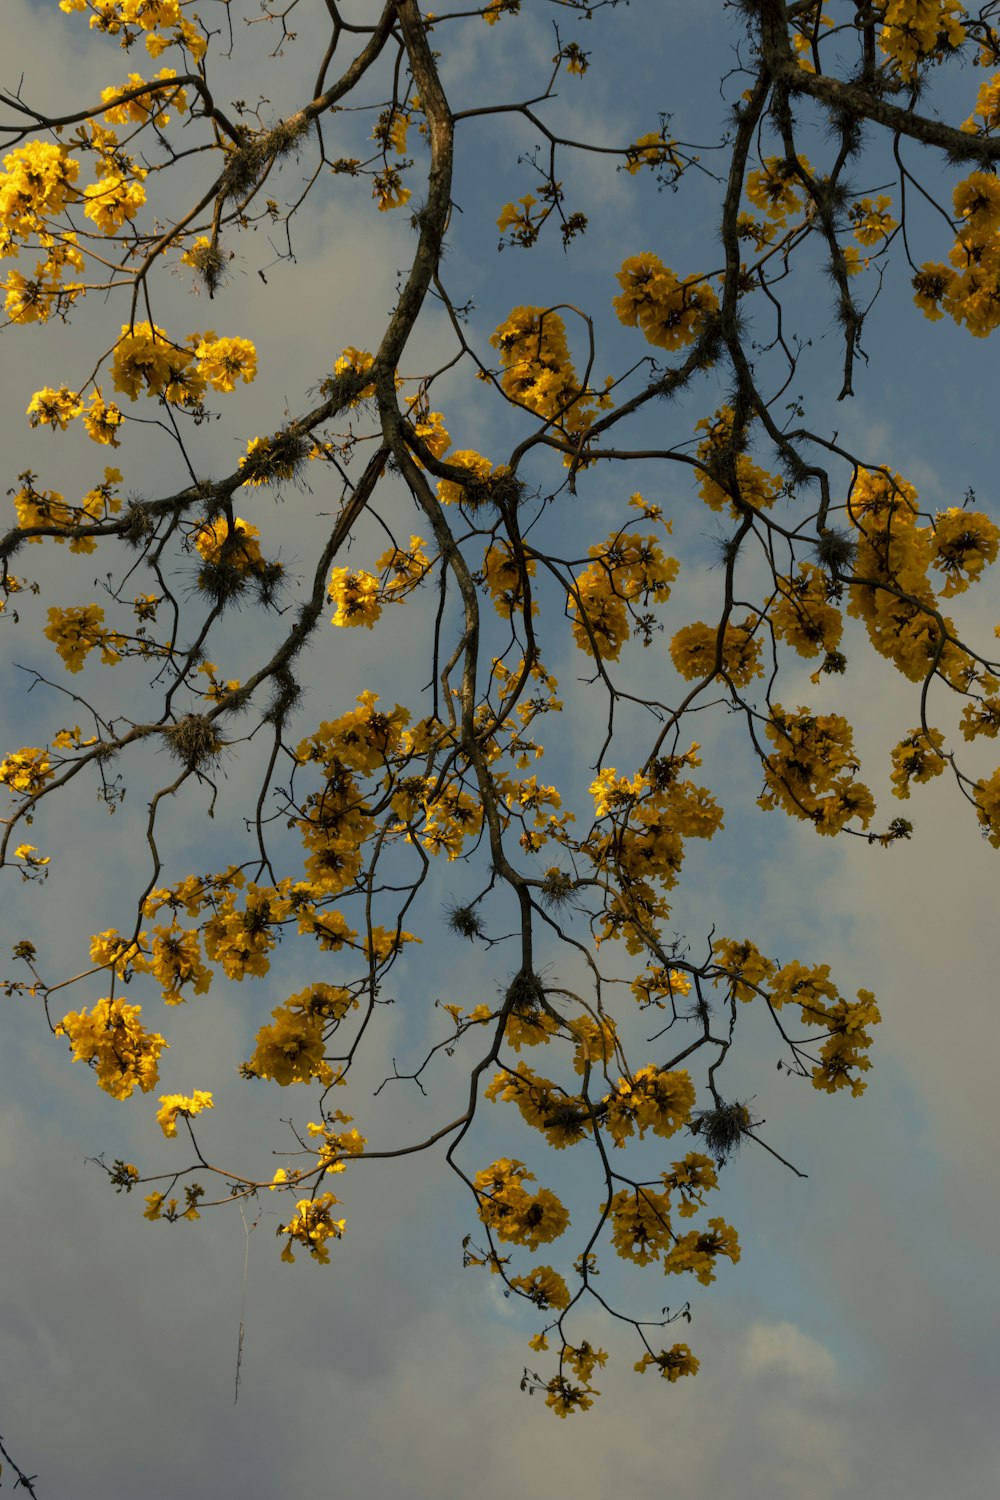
852	1350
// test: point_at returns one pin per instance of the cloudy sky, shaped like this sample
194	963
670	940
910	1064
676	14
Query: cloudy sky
853	1348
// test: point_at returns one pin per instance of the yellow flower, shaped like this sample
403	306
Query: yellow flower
544	1287
234	544
694	650
30	855
872	221
291	1051
670	312
223	361
312	1225
918	758
145	358
776	188
172	1105
964	543
76	632
111	1037
52	408
671	1363
113	201
651	151
148	105
102	419
388	190
498	8
357	597
26	770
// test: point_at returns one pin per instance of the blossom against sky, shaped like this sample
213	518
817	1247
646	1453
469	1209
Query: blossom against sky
852	1345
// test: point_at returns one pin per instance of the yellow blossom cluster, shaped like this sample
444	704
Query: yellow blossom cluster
174	959
482	480
109	950
102	419
696	649
497	8
669	311
403	568
363	739
154	18
357	595
337	1145
150	104
430	429
561	1396
114	200
513	1213
75	632
505	576
36	185
641	1228
917	757
291	1050
638	842
915	32
172	1105
388	189
656	986
802	615
359	361
54	408
240	941
36	298
987	109
777	187
988	808
538	373
811	773
743	967
312	1225
968	289
49	509
336	821
964	542
124	1054
334	824
697	1252
872	221
982	716
640	1224
847	1023
729	475
145	359
517	218
627	570
672	1363
228	547
653	150
564	1119
656	1099
544	1287
901	618
26	770
390	130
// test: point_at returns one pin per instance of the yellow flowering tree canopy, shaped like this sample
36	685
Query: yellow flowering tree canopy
510	489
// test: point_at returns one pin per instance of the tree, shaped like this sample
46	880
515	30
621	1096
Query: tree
482	565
